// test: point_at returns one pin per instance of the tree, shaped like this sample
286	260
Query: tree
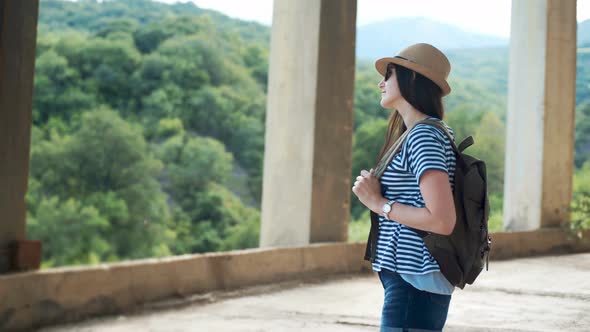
464	121
234	118
220	221
582	135
256	59
208	217
105	67
367	97
580	205
191	163
367	143
105	163
70	231
149	38
54	77
489	146
117	26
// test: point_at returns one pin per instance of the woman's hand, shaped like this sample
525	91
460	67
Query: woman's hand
368	190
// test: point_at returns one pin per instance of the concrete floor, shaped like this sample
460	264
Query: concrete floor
534	294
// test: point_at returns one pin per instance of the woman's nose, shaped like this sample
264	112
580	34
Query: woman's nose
381	84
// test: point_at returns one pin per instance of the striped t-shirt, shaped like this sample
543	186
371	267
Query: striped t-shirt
399	248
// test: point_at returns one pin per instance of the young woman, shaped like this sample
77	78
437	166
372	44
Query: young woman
410	189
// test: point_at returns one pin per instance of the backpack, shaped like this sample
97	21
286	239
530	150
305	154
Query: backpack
462	254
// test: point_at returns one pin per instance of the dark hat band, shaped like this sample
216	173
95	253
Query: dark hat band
401	57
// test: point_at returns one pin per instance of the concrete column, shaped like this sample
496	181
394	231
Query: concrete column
309	121
18	24
541	112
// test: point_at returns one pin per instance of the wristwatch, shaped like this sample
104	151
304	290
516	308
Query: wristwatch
387	208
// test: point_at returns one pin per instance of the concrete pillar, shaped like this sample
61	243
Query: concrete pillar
309	122
18	24
541	112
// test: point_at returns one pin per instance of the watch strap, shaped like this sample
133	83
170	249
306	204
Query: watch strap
386	214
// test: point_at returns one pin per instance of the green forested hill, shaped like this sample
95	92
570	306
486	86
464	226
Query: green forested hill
94	17
148	128
145	118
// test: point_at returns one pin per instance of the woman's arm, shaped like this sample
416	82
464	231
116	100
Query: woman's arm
439	214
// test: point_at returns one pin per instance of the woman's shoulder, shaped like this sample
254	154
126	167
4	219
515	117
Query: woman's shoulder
423	132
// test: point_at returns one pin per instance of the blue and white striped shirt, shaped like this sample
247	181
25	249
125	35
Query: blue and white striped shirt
399	248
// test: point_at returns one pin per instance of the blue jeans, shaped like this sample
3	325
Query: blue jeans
409	309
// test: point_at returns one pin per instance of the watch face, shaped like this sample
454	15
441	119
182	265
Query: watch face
386	208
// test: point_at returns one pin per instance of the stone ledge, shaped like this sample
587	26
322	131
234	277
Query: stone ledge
545	241
59	295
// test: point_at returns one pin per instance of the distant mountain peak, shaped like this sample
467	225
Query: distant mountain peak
388	37
584	32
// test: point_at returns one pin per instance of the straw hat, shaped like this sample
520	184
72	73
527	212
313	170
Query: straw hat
424	59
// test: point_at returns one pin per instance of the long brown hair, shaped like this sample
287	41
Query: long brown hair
423	94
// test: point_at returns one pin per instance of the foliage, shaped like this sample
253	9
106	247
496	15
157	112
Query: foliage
582	134
223	223
191	164
580	206
489	146
71	232
495	222
149	127
141	111
105	166
358	229
580	209
367	142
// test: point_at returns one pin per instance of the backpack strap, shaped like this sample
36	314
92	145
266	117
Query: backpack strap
386	159
466	142
444	129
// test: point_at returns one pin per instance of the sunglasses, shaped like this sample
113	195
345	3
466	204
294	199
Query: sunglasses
388	71
390	67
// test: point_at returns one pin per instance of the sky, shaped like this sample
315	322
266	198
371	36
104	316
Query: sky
483	16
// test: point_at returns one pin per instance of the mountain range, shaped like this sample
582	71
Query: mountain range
390	36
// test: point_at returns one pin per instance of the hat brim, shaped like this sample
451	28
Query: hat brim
381	66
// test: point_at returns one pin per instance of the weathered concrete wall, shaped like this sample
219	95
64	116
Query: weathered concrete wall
543	241
73	293
540	120
560	108
65	294
309	122
17	64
